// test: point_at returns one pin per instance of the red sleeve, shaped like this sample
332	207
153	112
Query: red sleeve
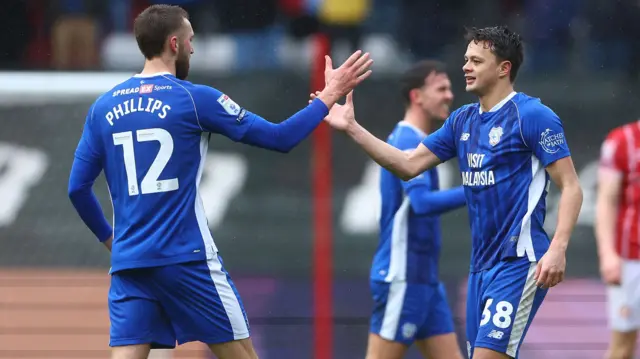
613	153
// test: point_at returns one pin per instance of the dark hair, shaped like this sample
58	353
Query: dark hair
414	77
152	27
505	44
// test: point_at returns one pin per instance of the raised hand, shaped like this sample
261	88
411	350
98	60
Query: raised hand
341	81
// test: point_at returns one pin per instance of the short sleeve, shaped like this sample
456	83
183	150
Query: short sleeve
89	147
443	141
613	152
218	113
543	133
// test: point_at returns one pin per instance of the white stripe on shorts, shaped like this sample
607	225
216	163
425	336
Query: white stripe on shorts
228	298
393	310
523	312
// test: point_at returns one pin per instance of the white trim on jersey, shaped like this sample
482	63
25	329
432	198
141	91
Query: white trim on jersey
501	103
536	189
228	299
393	310
523	312
152	75
399	239
201	216
412	127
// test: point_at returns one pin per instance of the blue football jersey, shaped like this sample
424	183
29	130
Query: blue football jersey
502	155
151	135
409	243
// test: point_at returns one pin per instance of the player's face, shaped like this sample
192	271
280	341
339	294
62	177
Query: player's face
185	49
436	97
481	68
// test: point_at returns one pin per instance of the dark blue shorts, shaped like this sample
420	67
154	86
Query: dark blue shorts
405	312
501	304
194	301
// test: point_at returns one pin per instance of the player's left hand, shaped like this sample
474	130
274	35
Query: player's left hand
340	116
550	268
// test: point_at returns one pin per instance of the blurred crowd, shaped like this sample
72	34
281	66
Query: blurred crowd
69	34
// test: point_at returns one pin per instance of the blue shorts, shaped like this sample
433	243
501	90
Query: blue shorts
405	312
185	302
501	304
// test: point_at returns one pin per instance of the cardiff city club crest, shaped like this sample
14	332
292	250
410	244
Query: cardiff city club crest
494	135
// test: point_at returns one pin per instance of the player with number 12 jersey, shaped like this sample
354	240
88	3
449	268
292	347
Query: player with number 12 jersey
150	135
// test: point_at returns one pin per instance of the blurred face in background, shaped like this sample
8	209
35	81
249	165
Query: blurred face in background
435	97
482	70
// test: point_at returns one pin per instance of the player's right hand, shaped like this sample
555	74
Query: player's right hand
611	269
345	78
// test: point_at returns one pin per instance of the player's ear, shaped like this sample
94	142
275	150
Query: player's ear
414	95
174	44
504	69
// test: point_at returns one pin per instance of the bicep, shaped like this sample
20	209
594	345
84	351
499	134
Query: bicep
218	113
609	186
563	172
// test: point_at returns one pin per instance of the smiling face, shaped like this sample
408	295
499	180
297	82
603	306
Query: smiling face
435	96
482	68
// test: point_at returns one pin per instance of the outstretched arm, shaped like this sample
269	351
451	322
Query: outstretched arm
404	164
217	113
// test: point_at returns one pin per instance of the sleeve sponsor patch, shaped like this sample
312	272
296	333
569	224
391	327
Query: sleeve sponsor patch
229	106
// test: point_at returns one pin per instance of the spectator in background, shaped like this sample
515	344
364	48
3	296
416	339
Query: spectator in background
548	31
252	23
614	29
343	20
428	25
75	33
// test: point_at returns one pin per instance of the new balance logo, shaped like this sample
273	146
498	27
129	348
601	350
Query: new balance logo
495	334
464	137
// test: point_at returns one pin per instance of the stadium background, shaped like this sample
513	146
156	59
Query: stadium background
581	58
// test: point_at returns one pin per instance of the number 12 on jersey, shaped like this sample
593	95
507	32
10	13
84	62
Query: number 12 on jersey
150	182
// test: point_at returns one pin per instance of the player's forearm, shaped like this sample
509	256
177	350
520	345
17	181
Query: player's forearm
83	174
387	156
568	211
286	135
606	212
437	202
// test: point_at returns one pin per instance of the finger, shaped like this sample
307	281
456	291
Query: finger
361	62
352	59
538	269
363	77
350	98
364	67
328	64
544	277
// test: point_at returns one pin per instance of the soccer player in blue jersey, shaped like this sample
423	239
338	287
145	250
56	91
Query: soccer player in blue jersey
509	148
150	134
410	304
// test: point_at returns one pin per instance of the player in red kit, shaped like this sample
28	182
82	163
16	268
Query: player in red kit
618	232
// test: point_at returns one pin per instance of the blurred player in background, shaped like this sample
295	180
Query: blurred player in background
410	303
508	146
150	136
617	229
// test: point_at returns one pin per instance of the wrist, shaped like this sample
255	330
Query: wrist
329	97
559	243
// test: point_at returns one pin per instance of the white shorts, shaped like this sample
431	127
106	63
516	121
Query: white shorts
624	300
